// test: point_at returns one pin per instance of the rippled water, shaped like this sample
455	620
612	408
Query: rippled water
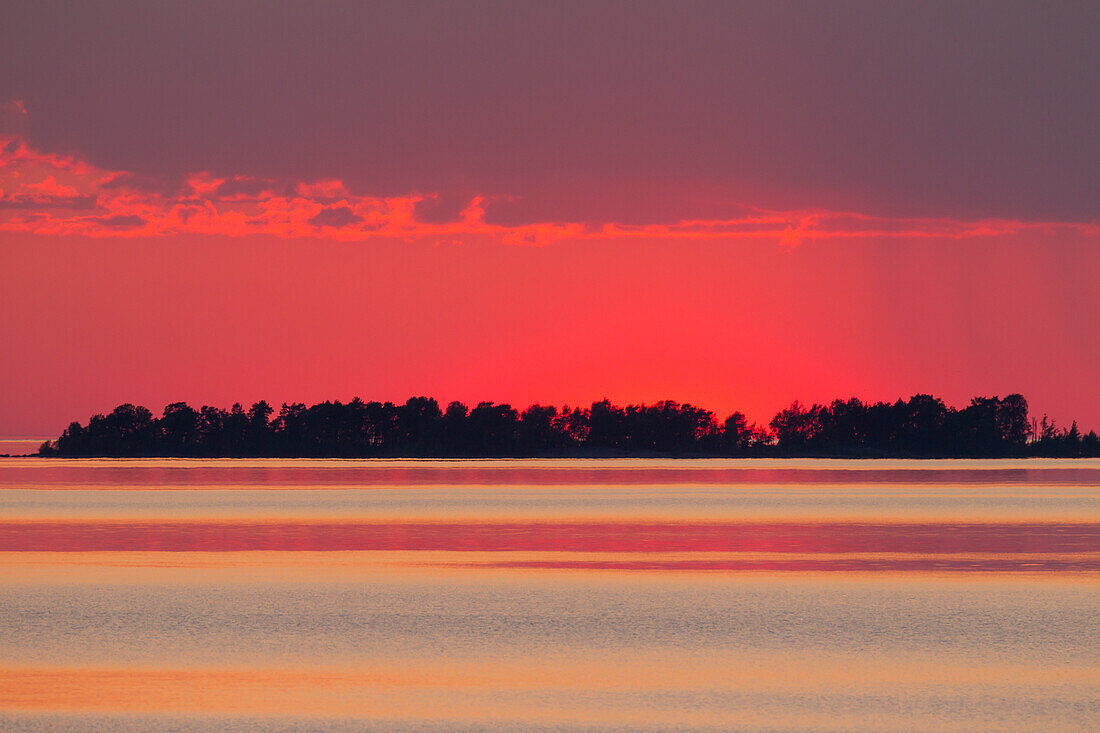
549	595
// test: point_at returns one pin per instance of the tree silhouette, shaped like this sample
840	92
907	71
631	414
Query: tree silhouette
922	426
795	427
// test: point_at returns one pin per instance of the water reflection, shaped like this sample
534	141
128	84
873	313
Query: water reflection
331	473
898	537
563	596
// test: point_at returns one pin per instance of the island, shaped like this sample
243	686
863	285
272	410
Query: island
921	427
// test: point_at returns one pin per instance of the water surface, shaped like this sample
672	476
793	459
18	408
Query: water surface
549	595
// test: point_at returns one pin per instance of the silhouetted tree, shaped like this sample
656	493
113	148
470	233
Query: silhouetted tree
258	435
179	430
796	426
921	431
920	426
456	438
573	425
739	438
606	426
539	431
420	426
493	430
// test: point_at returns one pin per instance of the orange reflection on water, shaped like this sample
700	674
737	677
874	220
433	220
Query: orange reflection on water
556	689
104	568
951	606
312	690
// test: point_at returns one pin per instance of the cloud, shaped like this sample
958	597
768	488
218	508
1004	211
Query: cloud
53	194
125	181
41	203
246	188
122	221
335	216
438	209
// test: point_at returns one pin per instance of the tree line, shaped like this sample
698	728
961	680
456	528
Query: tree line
922	426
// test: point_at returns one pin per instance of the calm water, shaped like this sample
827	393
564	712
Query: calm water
549	595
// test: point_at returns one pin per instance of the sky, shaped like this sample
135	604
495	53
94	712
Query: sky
729	204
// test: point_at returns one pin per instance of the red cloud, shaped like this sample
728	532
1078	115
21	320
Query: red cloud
61	195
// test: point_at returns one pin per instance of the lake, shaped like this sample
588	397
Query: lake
549	595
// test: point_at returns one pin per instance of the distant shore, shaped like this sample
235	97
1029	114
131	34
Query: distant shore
921	427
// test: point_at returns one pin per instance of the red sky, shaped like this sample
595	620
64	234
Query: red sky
734	207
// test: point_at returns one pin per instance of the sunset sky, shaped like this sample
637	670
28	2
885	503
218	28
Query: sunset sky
728	204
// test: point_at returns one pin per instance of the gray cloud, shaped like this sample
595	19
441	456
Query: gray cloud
39	203
627	111
122	221
335	216
159	183
442	209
